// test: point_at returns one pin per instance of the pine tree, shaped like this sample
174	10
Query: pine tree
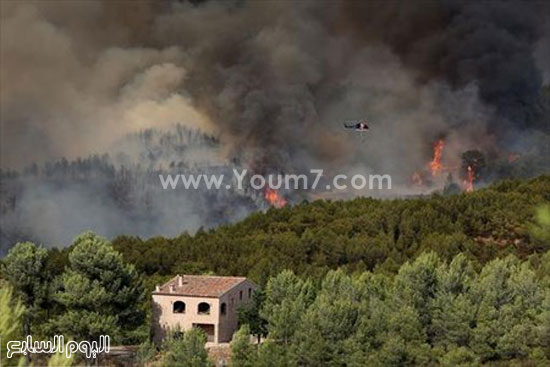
506	318
24	268
322	336
100	293
540	231
243	353
11	313
287	298
250	315
188	351
416	285
453	309
271	354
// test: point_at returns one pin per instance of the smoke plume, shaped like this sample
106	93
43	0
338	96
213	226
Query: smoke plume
271	82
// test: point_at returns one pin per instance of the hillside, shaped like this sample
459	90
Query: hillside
361	234
426	277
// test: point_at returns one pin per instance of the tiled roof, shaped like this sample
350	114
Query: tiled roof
199	285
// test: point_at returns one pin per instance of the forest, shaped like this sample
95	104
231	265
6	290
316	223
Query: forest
442	280
102	100
357	235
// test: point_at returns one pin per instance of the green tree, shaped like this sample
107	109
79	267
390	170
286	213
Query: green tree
459	357
403	342
287	298
146	352
24	268
543	330
11	313
540	231
323	334
188	351
272	354
100	293
453	309
416	285
243	353
509	300
250	315
60	360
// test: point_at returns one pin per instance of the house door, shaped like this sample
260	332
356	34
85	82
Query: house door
208	329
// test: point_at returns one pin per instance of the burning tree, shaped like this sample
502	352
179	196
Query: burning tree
435	164
473	168
274	198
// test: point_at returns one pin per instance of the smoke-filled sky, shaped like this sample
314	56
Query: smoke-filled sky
274	79
271	81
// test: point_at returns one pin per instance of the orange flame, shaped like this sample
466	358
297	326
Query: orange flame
435	164
274	198
469	182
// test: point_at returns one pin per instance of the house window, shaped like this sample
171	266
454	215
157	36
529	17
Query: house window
223	308
249	292
178	307
240	295
203	309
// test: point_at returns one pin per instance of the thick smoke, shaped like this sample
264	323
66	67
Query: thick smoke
488	43
271	81
262	74
115	195
72	85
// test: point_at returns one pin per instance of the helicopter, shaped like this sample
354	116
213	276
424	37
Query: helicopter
357	125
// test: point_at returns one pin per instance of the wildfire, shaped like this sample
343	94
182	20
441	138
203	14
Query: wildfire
435	164
469	182
274	198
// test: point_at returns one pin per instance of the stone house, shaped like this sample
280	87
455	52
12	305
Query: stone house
203	301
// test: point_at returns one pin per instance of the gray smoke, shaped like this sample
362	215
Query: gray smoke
271	81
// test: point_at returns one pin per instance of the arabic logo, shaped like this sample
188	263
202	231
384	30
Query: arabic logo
57	345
